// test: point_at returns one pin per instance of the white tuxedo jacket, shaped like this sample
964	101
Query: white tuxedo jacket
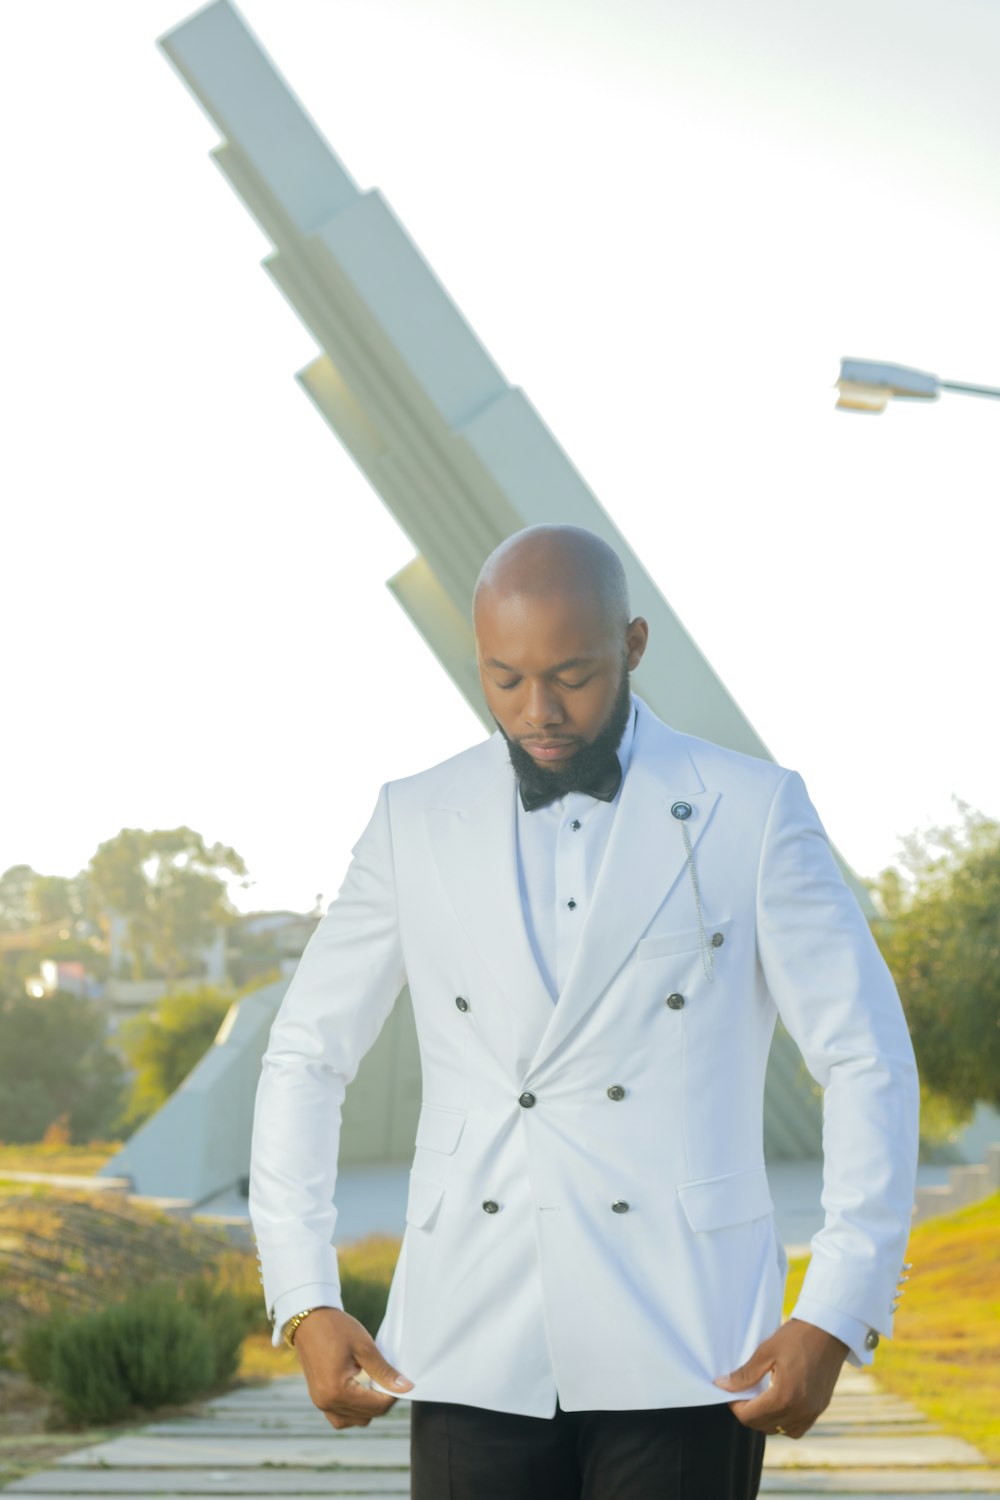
618	1251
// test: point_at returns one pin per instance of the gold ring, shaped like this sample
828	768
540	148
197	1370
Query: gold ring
781	1430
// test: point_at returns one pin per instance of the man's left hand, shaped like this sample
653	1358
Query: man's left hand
804	1362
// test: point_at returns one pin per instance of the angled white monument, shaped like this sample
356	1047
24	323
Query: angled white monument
461	459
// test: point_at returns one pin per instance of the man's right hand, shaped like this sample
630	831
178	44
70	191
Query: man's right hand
335	1351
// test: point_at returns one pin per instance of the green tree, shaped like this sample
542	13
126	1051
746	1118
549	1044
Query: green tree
164	882
18	907
29	899
45	916
941	940
163	1044
55	1061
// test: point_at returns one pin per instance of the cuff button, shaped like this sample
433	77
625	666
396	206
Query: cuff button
871	1339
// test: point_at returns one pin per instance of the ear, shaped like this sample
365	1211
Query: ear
636	637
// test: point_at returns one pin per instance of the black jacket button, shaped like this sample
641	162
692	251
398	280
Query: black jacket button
461	1002
526	1100
490	1207
676	1002
619	1206
718	938
616	1091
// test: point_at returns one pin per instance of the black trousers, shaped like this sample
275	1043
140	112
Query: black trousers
669	1453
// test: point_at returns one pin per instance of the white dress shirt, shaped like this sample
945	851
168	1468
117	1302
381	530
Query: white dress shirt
559	851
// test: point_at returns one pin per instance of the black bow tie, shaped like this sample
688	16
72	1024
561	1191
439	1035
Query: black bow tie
603	785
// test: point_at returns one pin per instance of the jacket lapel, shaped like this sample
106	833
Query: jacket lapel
645	857
473	834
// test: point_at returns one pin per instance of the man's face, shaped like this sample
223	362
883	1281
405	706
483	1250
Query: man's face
552	670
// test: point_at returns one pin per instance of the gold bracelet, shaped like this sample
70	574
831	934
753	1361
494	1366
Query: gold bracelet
290	1328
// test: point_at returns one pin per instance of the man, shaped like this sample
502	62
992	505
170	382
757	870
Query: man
599	920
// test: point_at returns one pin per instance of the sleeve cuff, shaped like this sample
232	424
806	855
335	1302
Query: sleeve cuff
851	1331
314	1294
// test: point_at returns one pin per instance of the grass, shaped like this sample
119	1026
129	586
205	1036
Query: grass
36	1156
944	1355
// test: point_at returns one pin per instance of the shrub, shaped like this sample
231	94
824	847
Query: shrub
163	1345
151	1350
34	1354
84	1372
226	1318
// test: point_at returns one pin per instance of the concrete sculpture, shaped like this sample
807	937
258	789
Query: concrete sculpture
461	459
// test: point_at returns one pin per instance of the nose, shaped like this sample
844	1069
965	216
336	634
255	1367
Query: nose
542	709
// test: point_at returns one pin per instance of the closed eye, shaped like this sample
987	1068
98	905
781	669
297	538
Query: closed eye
572	687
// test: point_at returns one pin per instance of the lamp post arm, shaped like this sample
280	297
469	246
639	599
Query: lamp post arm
970	390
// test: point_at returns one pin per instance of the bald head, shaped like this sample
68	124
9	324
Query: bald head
555	648
545	562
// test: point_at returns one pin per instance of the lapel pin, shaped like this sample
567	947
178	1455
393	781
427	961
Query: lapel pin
681	811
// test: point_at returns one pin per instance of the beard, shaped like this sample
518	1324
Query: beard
590	760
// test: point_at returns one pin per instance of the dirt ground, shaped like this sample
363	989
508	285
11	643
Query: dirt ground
26	1440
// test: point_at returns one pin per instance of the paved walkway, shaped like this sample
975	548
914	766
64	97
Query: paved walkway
269	1440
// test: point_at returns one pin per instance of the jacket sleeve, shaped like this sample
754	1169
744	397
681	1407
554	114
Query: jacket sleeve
837	999
344	987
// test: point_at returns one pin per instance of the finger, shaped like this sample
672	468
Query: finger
773	1417
349	1399
756	1367
363	1382
349	1410
377	1367
363	1401
340	1423
762	1412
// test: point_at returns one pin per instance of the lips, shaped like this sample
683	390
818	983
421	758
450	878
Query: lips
548	749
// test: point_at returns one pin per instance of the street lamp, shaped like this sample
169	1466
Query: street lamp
866	385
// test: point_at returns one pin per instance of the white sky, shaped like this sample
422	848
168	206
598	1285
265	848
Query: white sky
666	219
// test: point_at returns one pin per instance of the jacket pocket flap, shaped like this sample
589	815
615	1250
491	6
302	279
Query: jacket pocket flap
715	1202
684	940
422	1199
438	1128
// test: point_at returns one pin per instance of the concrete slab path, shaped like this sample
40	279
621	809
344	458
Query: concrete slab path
269	1440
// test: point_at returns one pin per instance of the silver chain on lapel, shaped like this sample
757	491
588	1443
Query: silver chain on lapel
682	811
